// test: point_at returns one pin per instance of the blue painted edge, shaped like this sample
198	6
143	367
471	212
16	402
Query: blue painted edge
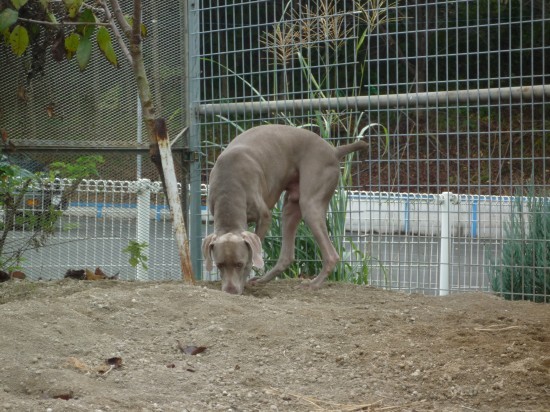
474	219
100	206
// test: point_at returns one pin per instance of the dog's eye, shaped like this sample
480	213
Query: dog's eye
221	266
239	265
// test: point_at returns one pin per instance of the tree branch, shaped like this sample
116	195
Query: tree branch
136	24
116	32
138	65
65	23
126	28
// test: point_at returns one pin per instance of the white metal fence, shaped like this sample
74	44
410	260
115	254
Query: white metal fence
440	243
100	220
425	243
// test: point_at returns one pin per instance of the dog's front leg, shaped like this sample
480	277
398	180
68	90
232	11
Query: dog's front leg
263	222
290	220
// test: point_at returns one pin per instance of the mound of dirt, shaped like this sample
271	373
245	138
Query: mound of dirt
114	346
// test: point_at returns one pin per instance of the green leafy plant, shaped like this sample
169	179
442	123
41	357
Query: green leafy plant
523	270
74	26
26	202
137	253
82	168
9	264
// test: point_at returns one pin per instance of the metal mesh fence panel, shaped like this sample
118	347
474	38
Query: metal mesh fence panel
453	96
59	106
94	230
49	109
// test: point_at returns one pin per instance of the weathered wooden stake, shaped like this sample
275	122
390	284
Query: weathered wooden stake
171	191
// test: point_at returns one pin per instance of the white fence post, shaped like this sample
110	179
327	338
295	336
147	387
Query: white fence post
444	261
143	206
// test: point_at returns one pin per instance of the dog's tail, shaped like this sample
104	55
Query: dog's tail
343	150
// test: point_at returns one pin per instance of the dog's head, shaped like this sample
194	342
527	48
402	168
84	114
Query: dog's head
234	255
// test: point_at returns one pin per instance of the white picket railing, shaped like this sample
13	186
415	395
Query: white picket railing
422	214
390	224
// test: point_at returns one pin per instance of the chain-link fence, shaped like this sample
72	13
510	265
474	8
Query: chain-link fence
53	112
58	112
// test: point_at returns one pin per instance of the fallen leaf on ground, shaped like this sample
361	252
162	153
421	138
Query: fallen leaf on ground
17	274
191	349
75	274
63	395
78	364
4	276
116	362
98	272
194	350
92	276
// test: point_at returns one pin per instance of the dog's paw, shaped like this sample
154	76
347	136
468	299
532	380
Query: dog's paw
254	281
311	285
306	286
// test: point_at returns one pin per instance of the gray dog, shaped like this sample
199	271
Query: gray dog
246	182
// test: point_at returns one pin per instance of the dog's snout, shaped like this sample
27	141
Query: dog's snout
231	288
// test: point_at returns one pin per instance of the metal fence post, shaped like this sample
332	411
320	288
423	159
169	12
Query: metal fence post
193	98
445	244
142	227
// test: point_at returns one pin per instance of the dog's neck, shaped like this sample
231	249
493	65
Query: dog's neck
230	215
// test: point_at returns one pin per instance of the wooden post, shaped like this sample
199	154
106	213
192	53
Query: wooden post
171	190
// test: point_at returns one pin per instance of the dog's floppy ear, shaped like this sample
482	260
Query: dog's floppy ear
255	244
207	245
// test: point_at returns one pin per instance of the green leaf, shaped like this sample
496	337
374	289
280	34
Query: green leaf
106	46
137	253
84	52
7	18
34	31
73	7
18	3
87	16
143	28
103	37
71	44
19	40
6	36
51	17
44	4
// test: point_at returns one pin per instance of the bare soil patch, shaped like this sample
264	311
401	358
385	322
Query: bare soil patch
278	347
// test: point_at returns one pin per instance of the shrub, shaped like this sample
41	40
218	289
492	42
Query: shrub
523	272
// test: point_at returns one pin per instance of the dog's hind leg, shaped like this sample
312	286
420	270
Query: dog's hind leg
291	217
314	200
316	221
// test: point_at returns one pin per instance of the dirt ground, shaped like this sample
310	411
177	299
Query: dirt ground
114	346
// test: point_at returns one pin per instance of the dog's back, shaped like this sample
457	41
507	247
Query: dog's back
274	143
